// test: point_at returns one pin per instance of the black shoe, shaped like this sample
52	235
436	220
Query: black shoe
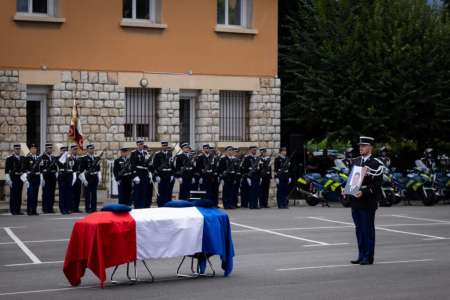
20	213
371	260
355	262
364	263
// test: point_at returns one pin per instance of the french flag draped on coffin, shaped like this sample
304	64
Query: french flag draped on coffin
106	239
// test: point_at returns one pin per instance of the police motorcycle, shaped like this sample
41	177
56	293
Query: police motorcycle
318	189
442	179
417	185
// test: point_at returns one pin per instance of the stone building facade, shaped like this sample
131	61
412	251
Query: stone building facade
102	108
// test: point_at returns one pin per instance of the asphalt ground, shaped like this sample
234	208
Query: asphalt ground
299	253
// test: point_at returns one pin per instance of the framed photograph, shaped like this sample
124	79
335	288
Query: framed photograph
355	180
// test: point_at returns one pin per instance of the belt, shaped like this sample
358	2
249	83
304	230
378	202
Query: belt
166	170
127	174
141	167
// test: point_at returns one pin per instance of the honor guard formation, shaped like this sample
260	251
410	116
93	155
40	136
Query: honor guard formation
140	173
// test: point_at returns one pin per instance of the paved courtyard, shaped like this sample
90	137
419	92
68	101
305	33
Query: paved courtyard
300	253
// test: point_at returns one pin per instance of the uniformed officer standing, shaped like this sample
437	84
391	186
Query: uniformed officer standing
66	179
141	176
282	177
205	166
266	177
91	177
184	171
76	187
123	176
216	181
228	176
49	170
236	162
13	171
250	173
164	175
32	179
364	204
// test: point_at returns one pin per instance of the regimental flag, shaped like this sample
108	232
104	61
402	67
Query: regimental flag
75	134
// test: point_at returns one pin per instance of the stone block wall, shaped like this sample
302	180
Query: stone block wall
13	112
207	117
102	109
168	115
265	118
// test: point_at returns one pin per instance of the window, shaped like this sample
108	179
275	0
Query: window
234	12
36	7
143	10
140	120
234	116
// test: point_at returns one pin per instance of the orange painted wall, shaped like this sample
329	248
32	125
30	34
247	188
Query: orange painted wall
92	39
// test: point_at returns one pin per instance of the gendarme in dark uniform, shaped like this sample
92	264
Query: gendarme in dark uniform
265	169
123	176
91	177
250	180
49	170
228	175
32	169
282	177
164	175
205	167
365	204
184	171
66	180
76	187
13	171
140	166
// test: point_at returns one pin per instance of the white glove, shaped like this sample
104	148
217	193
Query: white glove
74	178
27	184
171	178
193	180
180	180
136	180
260	180
200	181
23	177
42	181
249	182
221	182
158	179
118	182
56	174
289	181
277	181
83	179
8	180
99	176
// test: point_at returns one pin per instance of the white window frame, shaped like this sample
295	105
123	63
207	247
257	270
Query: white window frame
151	13
244	19
51	9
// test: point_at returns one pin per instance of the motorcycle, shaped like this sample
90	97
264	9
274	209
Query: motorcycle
416	186
318	189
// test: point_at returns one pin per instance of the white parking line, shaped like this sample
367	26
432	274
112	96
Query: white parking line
49	290
39	263
22	246
385	229
36	241
350	265
280	234
421	219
